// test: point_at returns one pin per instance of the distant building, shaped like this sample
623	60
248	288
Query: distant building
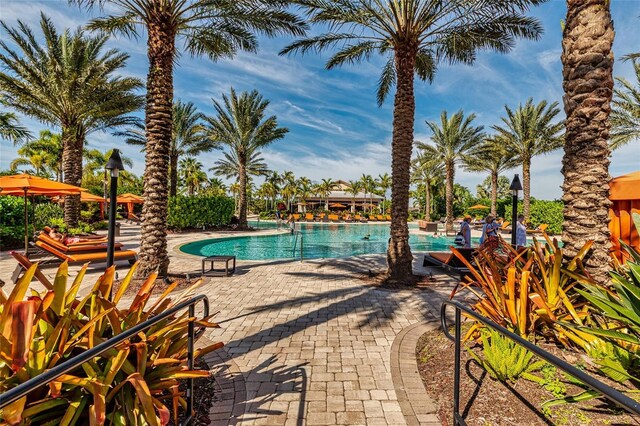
341	199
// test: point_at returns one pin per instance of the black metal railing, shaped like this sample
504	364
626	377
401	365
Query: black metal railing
608	392
30	385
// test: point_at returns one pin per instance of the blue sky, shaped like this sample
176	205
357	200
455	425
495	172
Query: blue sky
336	128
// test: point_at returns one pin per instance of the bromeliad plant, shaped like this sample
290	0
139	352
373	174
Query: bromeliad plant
527	291
135	383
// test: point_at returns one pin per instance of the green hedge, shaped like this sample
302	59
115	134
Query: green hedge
12	222
543	211
195	212
46	213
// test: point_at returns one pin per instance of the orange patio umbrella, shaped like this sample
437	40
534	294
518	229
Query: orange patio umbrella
129	200
87	197
478	207
624	192
25	184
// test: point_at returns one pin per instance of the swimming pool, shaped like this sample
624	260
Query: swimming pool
327	240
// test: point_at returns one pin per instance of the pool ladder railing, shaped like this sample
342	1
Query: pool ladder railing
295	244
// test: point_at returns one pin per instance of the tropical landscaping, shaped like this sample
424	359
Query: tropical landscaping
328	329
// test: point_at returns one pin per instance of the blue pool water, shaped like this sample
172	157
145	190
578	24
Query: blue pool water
330	240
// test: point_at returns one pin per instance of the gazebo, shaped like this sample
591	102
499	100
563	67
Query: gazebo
624	192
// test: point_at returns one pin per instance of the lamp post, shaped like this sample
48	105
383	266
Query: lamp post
114	165
515	187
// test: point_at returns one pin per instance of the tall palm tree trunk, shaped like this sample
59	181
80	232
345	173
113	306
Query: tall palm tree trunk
73	142
173	177
399	257
587	60
158	119
242	196
494	193
427	202
448	187
526	187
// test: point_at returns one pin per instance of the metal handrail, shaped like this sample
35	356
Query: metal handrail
30	385
610	393
295	244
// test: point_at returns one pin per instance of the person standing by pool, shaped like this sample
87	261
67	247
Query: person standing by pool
521	232
489	229
465	231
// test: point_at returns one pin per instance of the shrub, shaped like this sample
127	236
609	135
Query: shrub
504	359
196	212
527	291
12	211
45	213
542	211
134	383
12	237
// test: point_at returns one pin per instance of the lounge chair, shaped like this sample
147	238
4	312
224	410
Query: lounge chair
539	230
334	218
308	217
449	261
80	247
505	228
389	217
323	218
94	239
372	218
380	218
296	217
85	256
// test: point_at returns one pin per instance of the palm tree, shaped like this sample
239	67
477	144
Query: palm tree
275	180
324	188
493	157
215	186
355	187
241	125
290	188
528	132
625	115
95	162
414	36
217	29
44	154
428	172
384	183
453	140
368	185
67	81
304	189
587	62
11	130
192	174
187	138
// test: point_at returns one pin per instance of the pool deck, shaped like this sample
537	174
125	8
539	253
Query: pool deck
310	342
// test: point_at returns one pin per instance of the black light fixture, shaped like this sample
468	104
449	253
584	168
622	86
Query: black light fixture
114	165
515	187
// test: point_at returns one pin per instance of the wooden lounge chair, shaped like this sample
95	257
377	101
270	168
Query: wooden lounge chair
449	261
389	217
83	257
372	218
80	247
296	217
93	239
308	217
539	230
334	218
505	228
380	218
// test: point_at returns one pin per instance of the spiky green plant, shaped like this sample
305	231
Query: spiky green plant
504	359
135	383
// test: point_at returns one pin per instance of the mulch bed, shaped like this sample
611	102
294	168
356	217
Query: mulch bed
484	401
161	284
204	396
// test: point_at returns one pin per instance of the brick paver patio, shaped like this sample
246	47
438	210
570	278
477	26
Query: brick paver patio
308	342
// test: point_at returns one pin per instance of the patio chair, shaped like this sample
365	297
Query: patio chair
372	218
296	217
539	230
308	217
334	218
380	218
79	247
449	261
388	217
87	256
